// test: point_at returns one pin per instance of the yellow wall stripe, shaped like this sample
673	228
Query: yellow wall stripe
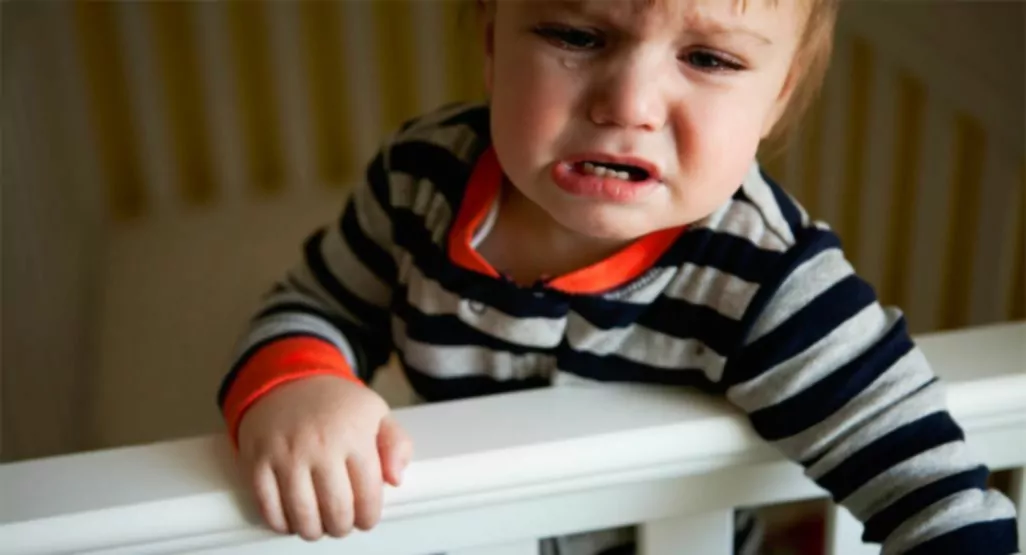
464	49
248	29
1017	307
855	145
393	25
324	54
908	128
178	61
963	217
812	157
108	97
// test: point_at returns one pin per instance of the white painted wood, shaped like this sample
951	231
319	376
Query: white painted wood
707	533
522	547
844	534
1018	495
490	470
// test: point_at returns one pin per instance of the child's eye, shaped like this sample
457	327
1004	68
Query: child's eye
570	38
709	61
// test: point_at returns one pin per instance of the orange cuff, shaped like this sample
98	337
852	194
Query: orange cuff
279	362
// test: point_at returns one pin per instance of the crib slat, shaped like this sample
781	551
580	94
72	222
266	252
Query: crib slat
521	547
710	533
844	534
1018	495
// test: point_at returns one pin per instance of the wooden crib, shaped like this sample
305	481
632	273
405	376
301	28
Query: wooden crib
169	157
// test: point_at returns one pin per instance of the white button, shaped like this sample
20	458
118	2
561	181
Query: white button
477	307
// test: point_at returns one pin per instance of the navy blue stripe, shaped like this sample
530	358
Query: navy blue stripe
828	395
674	317
449	330
994	537
375	258
725	252
433	389
614	368
883	523
810	244
233	372
371	316
810	324
885	452
440	166
787	206
377	181
477	117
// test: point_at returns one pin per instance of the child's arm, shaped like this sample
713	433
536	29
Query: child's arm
314	441
834	381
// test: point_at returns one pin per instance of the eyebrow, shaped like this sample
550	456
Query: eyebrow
696	23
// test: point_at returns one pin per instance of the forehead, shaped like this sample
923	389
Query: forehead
684	12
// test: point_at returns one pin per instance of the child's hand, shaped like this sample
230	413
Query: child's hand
316	451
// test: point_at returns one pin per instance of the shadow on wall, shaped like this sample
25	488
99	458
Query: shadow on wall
171	157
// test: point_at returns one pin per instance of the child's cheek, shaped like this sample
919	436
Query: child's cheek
716	140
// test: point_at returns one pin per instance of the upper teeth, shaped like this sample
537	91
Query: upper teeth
603	171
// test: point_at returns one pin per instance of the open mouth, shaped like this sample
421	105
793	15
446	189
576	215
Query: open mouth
624	172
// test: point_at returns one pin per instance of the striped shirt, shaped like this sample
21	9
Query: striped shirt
755	302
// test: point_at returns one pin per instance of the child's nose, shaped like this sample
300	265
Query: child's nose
629	98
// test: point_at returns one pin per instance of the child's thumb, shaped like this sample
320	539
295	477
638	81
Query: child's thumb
395	449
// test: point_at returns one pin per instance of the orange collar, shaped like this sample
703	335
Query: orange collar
482	192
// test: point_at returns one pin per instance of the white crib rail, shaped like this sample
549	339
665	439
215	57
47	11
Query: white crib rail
493	474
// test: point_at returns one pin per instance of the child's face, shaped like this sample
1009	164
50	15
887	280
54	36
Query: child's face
686	87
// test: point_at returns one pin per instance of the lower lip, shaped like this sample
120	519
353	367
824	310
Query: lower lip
575	182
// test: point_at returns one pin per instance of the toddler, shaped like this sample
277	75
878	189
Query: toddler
603	218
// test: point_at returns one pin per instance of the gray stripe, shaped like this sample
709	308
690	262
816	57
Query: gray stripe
908	475
286	323
422	198
706	286
328	303
469	360
350	271
888	404
844	343
372	218
947	515
644	346
459	139
806	282
760	193
743	220
428	296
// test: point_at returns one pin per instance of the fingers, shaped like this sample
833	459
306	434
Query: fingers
365	475
331	483
395	449
265	487
300	501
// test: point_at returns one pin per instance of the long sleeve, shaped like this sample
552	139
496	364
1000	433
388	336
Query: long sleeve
833	380
329	314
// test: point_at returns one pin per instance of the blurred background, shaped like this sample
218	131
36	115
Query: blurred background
162	161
